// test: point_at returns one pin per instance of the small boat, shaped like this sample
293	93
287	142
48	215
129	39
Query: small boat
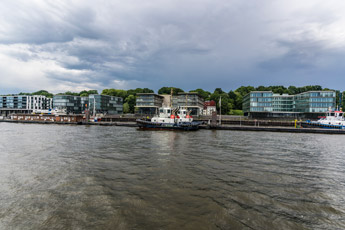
332	120
170	119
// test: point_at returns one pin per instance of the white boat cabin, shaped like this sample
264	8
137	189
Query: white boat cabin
333	118
169	115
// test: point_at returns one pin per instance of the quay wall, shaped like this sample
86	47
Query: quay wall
207	127
228	121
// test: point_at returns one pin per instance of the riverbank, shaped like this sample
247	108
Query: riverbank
226	120
218	127
127	124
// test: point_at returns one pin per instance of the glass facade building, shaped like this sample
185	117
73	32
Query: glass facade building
266	102
282	103
99	103
84	103
14	102
67	104
315	101
24	104
148	103
258	101
35	102
105	104
190	101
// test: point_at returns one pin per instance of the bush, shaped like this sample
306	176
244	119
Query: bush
236	112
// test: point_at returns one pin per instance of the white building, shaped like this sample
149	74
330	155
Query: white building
39	103
24	104
209	108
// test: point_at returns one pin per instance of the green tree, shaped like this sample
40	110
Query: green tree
225	102
167	90
238	101
226	106
261	88
232	95
92	91
126	108
292	90
218	90
21	93
337	99
115	92
131	101
139	90
43	93
244	90
236	112
204	94
71	93
86	93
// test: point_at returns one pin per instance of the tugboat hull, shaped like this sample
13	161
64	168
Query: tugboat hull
183	126
321	126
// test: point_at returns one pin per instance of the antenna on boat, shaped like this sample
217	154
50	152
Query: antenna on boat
186	100
171	95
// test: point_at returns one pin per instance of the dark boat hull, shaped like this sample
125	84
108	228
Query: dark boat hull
187	126
320	126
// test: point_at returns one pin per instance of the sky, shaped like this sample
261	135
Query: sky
82	44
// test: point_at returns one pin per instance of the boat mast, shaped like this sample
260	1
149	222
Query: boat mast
171	95
186	101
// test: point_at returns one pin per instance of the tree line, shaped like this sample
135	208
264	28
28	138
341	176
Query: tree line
231	102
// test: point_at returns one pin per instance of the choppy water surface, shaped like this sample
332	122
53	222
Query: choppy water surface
79	177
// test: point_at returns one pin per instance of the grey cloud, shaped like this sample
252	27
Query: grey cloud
299	55
189	44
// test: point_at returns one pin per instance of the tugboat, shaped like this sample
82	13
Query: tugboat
170	119
333	120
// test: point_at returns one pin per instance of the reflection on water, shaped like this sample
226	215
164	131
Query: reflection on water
79	177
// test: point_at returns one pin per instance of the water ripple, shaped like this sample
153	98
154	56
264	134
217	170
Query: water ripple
80	177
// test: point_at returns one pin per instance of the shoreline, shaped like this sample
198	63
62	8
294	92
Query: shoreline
206	127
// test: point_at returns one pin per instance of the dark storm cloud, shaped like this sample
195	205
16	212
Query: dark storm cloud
299	55
188	44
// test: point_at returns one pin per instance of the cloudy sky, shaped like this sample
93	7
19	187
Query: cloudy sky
75	45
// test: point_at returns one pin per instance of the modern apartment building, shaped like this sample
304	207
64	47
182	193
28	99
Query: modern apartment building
309	104
190	101
107	105
67	104
315	101
148	103
95	103
84	103
24	104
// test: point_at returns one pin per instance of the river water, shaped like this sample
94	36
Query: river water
90	177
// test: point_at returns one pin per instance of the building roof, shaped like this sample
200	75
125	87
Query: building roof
138	94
